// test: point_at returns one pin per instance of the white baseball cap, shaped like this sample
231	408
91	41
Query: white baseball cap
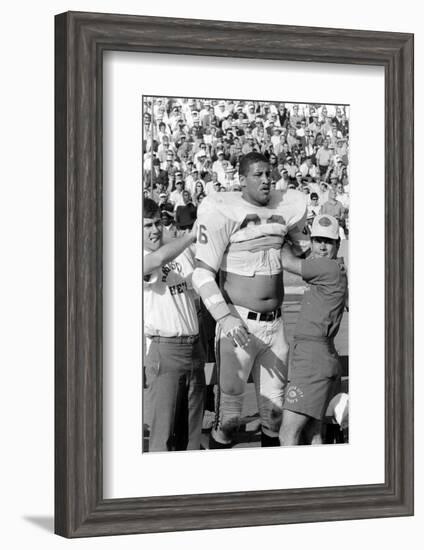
325	226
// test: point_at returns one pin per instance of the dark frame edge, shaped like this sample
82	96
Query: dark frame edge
79	508
61	504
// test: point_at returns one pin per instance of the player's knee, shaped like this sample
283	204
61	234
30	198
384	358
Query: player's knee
291	426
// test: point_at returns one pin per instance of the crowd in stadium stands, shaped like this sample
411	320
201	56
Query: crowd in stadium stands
192	148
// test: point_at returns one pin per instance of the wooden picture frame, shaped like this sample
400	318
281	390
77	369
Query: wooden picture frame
81	39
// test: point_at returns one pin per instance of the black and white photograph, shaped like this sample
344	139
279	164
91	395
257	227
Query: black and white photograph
246	234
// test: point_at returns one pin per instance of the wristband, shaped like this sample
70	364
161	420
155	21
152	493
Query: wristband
205	285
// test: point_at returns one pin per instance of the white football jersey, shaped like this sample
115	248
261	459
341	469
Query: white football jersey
242	238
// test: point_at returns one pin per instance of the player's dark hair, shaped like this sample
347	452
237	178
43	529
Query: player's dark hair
247	160
150	208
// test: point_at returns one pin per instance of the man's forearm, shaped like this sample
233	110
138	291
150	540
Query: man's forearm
166	253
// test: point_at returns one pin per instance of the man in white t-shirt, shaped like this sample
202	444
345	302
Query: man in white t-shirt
175	377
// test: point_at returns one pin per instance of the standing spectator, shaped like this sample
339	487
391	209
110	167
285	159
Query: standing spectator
323	157
185	214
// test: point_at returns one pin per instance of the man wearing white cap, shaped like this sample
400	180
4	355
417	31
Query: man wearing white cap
314	370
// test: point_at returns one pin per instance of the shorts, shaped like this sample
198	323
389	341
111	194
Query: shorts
314	375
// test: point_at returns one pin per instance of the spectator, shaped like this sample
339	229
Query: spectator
313	208
307	168
323	156
283	182
198	199
342	196
334	208
157	176
169	228
323	192
185	214
176	196
219	166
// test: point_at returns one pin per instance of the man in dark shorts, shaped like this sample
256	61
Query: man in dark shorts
314	370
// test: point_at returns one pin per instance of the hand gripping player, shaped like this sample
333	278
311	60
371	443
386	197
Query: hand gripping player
314	366
240	234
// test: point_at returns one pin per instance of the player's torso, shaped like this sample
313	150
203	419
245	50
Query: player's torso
256	236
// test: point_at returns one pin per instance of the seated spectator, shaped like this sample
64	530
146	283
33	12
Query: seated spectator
342	196
164	203
198	199
192	181
176	196
323	192
291	168
198	188
282	183
230	177
313	208
307	168
168	223
332	207
298	180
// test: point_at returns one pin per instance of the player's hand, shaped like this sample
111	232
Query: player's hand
235	329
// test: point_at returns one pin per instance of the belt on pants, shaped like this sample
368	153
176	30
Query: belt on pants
267	316
175	339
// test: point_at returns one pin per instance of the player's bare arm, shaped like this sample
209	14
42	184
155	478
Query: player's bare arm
205	284
290	262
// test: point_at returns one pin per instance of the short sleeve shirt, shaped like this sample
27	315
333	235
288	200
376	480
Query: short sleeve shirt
169	307
323	303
